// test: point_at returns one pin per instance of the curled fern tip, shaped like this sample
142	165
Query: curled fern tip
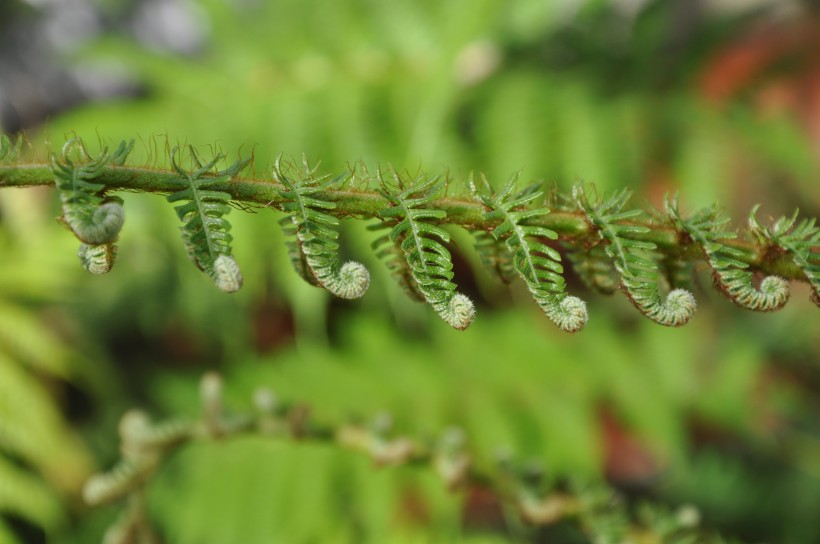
353	281
573	315
460	312
680	307
227	276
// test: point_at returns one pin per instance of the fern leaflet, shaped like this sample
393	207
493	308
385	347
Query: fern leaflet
801	241
429	262
730	277
495	256
205	231
393	256
595	269
537	263
313	251
638	270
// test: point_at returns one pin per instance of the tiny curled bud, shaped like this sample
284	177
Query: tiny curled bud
210	388
352	281
679	308
226	274
264	400
688	516
97	259
133	425
573	315
459	312
774	292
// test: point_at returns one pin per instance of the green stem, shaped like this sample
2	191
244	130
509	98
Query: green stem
464	212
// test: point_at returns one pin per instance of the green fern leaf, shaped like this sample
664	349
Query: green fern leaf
205	231
728	272
313	249
801	241
536	262
429	262
632	258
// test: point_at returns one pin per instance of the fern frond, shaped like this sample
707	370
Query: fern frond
313	251
632	258
801	241
9	152
536	262
205	231
729	274
595	269
429	262
93	218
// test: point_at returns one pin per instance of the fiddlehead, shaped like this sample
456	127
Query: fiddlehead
93	218
729	274
96	220
801	241
638	270
97	259
429	262
537	263
205	231
313	249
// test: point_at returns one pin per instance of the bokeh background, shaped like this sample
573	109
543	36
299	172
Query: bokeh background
717	99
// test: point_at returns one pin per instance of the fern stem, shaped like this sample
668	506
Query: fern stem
571	227
524	488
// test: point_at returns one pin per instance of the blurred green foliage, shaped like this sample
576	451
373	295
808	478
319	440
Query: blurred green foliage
721	413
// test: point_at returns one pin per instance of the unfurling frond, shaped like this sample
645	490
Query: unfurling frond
93	218
205	231
428	261
705	228
313	247
801	241
536	262
633	259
